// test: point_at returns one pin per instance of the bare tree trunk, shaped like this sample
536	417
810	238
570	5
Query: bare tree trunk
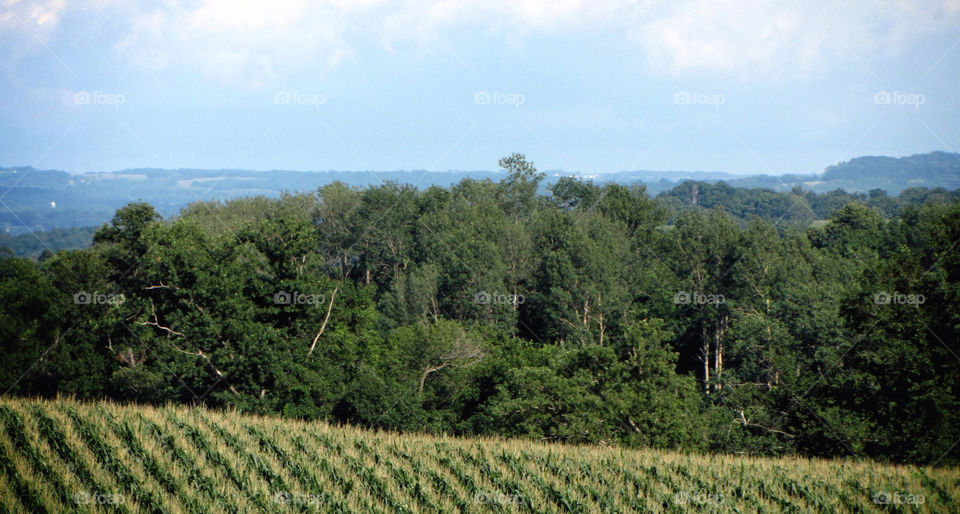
600	322
423	377
705	356
325	320
463	352
718	351
602	328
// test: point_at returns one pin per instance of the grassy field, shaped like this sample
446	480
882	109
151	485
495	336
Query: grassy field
64	456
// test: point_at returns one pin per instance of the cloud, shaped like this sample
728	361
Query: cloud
419	18
241	41
26	25
31	15
757	38
255	42
727	37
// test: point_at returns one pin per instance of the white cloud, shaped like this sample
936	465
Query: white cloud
31	15
722	37
757	38
256	42
241	41
26	24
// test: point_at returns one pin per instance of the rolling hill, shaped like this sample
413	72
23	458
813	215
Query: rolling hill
37	200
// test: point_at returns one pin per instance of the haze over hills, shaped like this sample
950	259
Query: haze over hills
47	199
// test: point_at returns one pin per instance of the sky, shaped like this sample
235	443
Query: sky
744	86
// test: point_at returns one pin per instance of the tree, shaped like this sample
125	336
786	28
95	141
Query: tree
651	405
518	192
705	247
579	292
122	244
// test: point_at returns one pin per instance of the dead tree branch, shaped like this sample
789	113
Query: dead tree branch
325	320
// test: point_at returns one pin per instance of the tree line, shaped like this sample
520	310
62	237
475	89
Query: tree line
594	314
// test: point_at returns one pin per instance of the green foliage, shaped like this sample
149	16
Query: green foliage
36	244
710	318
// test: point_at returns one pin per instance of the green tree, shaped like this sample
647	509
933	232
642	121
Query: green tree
518	191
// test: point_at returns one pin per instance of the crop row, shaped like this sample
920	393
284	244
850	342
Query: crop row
61	455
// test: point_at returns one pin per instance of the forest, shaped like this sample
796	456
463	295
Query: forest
593	314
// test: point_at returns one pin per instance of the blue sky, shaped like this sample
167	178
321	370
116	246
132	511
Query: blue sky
743	87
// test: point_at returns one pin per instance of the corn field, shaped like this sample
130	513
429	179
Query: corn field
64	456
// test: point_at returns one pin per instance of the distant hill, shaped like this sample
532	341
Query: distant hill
922	170
929	167
33	244
797	208
47	199
893	175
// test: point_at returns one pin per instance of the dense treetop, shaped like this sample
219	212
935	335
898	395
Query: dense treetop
592	314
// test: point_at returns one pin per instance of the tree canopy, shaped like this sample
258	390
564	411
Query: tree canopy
593	314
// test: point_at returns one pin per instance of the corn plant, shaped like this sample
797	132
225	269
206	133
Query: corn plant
174	459
16	431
